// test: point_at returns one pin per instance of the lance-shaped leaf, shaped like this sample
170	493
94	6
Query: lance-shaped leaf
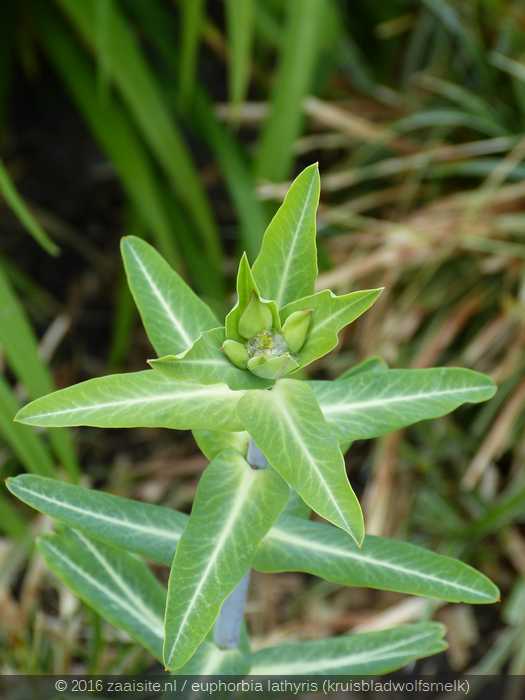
247	289
372	404
118	585
206	363
368	653
289	428
234	508
330	313
286	266
172	314
145	399
149	530
293	544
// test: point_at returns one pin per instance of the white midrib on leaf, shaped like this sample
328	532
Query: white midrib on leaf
288	259
388	651
211	390
165	534
147	613
157	631
281	407
343	407
281	535
230	524
163	302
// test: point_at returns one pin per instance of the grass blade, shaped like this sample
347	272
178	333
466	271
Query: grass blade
23	214
19	345
24	442
292	83
240	26
192	17
143	95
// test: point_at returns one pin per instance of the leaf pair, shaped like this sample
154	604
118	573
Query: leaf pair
296	424
292	544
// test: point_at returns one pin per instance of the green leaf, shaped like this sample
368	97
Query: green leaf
246	290
294	77
330	314
210	660
19	345
293	544
111	128
234	507
211	442
14	524
371	364
23	214
148	530
24	442
116	584
372	404
144	97
206	363
234	168
288	426
145	399
296	544
192	16
173	315
240	25
286	266
368	653
296	506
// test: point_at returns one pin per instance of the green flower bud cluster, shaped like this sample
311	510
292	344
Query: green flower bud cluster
268	351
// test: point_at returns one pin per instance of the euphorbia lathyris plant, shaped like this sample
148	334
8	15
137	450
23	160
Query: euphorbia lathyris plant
275	443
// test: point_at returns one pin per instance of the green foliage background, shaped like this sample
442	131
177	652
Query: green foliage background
182	122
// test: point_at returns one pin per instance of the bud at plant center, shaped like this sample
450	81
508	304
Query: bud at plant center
255	318
236	353
295	329
272	367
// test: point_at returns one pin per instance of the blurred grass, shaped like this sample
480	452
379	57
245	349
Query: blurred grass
416	112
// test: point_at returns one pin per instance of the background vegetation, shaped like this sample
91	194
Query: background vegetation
182	122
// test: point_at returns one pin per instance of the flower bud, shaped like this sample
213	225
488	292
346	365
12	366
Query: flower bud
295	329
236	353
272	367
256	317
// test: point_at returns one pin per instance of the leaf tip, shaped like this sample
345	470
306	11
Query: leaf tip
21	416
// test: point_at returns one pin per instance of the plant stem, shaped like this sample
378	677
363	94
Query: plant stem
255	457
227	630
